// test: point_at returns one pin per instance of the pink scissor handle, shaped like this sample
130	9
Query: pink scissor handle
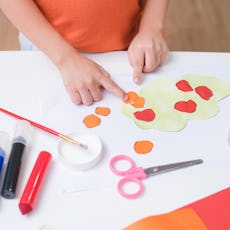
132	174
117	158
128	179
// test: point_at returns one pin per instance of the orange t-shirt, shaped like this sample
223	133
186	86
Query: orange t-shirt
94	26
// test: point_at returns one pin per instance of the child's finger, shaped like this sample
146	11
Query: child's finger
164	54
137	73
112	87
74	95
151	61
86	96
136	59
138	65
96	93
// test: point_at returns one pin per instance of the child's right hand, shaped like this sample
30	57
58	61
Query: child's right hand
84	80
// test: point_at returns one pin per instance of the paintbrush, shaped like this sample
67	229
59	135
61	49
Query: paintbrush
46	129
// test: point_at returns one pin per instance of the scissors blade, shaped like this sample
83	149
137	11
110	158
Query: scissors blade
170	167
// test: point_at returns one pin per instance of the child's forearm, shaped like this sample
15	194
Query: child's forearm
28	19
154	15
82	78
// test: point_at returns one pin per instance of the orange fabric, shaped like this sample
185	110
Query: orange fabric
94	26
184	219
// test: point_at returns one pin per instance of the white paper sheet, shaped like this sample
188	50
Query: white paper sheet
118	133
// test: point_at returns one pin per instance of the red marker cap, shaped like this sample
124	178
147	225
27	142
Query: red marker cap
30	192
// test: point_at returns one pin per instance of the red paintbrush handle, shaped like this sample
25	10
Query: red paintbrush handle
31	122
44	128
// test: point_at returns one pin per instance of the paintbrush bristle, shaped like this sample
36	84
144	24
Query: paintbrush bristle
71	140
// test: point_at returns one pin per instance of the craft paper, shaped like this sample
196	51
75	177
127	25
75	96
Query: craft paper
176	220
118	136
173	102
210	213
214	210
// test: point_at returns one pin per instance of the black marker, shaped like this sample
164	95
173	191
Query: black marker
19	143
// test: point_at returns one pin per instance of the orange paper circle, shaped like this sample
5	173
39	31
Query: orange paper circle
92	121
143	146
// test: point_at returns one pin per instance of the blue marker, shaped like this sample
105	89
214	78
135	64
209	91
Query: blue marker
3	144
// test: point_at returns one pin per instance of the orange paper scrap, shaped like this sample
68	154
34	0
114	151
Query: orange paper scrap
92	121
104	111
135	100
184	219
143	147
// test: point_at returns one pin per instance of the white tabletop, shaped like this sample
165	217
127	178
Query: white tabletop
31	86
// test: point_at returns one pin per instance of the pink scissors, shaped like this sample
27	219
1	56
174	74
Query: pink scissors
136	174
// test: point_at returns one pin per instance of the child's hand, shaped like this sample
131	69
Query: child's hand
84	80
146	52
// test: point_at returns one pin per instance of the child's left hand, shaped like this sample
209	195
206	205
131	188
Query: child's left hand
146	52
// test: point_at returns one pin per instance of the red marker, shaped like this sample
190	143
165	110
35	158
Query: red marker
30	192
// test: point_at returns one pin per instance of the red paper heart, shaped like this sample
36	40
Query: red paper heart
204	92
184	86
186	106
145	115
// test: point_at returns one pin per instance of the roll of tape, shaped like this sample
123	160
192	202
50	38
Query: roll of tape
78	158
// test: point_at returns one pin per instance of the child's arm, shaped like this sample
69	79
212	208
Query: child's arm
148	49
82	77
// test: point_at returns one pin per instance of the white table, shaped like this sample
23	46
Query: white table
30	86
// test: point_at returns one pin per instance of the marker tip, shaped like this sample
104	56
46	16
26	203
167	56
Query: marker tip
25	208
